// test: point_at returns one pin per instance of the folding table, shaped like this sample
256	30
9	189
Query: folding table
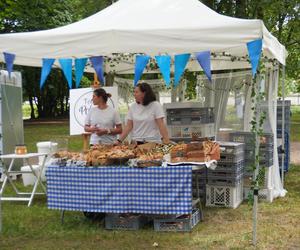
22	196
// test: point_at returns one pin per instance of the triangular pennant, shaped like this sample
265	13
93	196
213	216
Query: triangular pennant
180	63
47	65
97	62
79	69
140	64
9	60
203	59
164	63
254	51
66	66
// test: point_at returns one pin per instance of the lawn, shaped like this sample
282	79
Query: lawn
39	228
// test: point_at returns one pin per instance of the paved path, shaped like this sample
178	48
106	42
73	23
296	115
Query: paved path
295	153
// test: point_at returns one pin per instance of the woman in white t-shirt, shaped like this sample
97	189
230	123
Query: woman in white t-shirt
145	119
102	121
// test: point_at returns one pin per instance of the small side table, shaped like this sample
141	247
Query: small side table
22	196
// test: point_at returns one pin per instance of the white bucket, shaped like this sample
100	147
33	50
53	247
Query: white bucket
49	148
29	179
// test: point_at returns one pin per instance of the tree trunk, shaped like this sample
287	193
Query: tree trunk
109	79
32	115
240	9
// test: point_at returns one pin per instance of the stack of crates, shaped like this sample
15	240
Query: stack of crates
286	153
225	184
287	127
266	161
187	121
265	149
201	175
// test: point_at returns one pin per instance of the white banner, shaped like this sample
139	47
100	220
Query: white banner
80	104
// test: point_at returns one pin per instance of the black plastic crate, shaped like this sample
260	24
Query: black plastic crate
264	154
249	163
231	158
224	181
287	124
188	116
266	140
202	193
231	147
224	168
201	182
184	223
125	221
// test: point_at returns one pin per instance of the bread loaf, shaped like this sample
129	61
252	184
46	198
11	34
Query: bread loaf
195	153
195	146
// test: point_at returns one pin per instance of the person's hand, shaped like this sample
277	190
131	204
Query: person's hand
166	141
101	131
93	129
116	143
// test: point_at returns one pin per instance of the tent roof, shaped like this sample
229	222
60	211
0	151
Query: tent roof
151	27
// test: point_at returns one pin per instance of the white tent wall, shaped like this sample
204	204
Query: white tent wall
217	94
272	90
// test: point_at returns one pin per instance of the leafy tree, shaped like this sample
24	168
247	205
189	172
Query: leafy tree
22	16
281	17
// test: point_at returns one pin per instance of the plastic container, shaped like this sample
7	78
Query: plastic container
125	222
183	223
224	196
49	148
29	179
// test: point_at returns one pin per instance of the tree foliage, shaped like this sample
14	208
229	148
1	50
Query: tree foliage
281	17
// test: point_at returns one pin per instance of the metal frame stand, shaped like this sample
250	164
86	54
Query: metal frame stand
27	196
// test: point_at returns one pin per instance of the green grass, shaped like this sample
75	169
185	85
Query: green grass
50	132
39	228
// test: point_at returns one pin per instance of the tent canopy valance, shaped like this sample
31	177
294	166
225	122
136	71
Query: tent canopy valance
150	27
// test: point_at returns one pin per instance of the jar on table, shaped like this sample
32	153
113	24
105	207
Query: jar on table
20	149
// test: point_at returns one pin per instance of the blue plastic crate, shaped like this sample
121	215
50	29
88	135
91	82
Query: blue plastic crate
184	223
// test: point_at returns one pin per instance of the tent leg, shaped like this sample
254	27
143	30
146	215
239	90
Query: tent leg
255	203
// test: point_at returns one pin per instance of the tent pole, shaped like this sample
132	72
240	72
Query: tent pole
257	166
282	126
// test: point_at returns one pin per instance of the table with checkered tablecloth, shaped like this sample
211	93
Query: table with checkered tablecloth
152	190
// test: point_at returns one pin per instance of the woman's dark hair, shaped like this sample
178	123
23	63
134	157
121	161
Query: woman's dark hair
101	92
149	94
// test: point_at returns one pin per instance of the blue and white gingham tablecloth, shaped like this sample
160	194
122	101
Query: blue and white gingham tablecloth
153	190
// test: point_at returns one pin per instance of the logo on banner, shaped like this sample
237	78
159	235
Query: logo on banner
83	105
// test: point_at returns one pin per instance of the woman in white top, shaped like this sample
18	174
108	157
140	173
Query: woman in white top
145	119
102	121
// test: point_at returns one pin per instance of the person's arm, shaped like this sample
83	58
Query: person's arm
89	128
126	130
163	130
115	131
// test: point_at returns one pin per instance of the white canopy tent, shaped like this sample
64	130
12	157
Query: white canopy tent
150	27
